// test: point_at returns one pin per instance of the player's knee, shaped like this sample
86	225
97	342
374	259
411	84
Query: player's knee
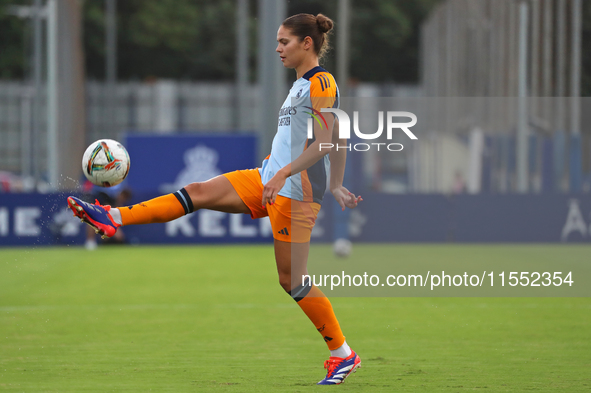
285	282
194	189
196	192
301	290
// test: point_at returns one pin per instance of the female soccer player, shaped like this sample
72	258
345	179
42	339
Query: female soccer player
288	187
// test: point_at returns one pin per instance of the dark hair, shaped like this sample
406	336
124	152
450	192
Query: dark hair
316	27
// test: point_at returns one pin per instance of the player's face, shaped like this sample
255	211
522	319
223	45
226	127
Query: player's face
291	51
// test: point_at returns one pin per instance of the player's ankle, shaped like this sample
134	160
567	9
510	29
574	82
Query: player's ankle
116	216
341	352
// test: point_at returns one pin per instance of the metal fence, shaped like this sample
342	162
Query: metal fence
520	62
166	107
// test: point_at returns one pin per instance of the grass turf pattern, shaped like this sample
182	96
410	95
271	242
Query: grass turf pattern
210	318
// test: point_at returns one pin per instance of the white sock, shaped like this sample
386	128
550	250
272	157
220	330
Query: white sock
116	215
341	352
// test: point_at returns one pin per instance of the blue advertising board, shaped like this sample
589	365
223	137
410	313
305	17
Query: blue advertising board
471	218
44	219
38	219
166	163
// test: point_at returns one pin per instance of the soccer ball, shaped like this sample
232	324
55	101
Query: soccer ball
105	163
342	248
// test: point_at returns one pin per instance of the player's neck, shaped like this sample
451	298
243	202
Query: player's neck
306	66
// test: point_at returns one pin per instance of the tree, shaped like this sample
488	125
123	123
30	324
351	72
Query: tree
14	42
385	39
586	54
180	39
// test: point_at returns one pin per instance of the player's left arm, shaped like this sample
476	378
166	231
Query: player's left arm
338	159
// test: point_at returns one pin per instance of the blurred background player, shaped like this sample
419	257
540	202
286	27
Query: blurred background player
342	246
288	187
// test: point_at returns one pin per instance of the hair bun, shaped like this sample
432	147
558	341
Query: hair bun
325	24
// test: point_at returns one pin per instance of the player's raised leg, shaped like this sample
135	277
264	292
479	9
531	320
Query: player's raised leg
291	261
215	194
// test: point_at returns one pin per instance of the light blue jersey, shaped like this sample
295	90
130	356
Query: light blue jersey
316	89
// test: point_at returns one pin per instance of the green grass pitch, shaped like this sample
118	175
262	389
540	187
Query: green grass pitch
209	318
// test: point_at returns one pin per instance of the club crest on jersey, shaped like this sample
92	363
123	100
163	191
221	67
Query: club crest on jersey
299	94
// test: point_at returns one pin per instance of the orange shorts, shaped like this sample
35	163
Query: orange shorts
292	221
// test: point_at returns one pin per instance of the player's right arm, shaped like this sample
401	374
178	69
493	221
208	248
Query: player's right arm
309	156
